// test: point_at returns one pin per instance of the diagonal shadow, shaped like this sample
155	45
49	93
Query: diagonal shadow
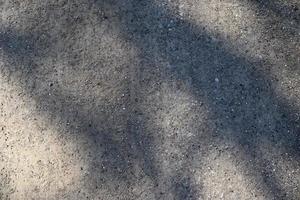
243	103
281	22
196	58
116	145
286	11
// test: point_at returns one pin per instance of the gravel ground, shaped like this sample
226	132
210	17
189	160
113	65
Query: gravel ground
150	99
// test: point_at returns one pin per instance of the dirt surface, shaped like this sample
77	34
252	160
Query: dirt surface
150	99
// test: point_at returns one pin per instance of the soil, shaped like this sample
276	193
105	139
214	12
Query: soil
149	99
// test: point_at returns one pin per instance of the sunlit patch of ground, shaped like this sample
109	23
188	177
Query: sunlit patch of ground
223	179
95	103
35	154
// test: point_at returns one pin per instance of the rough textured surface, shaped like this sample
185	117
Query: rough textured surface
149	99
